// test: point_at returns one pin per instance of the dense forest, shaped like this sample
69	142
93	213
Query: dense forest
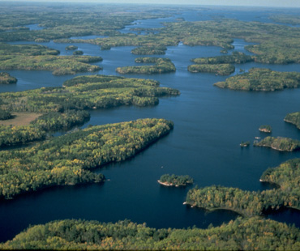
241	234
65	160
260	79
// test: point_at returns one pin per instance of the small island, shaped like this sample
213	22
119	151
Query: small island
279	143
6	79
265	128
245	144
175	180
78	53
71	48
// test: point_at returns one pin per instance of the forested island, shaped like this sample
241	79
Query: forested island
161	65
293	118
279	143
150	50
241	234
7	79
38	57
66	160
175	180
219	69
64	107
260	79
265	128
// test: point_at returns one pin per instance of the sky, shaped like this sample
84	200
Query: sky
268	3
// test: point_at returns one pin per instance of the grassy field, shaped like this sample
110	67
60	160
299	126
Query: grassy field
21	118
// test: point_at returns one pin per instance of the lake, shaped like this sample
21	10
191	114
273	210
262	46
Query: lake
210	123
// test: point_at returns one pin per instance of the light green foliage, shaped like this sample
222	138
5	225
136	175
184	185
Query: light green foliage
293	118
280	144
64	160
161	65
260	79
240	234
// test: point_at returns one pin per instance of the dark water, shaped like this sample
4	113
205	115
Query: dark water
209	122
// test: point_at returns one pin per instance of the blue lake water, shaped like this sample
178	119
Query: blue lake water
209	122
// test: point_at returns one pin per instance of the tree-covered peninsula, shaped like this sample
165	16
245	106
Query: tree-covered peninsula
248	203
6	79
66	160
279	143
64	107
161	65
241	234
293	118
175	180
38	57
260	79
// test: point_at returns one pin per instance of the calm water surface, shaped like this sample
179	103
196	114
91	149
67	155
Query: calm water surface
209	122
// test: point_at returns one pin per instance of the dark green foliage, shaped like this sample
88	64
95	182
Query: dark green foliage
64	160
241	234
175	180
78	53
293	118
219	69
4	115
6	79
280	144
260	79
161	65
